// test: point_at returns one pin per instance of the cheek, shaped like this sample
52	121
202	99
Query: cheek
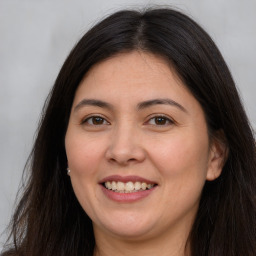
181	155
83	158
83	161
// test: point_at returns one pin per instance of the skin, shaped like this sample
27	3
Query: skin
176	153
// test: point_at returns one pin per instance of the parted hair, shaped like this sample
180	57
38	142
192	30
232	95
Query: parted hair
49	220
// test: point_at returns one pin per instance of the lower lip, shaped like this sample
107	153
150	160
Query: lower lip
127	197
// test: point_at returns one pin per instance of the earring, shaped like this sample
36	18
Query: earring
68	171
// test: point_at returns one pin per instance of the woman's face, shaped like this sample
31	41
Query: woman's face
138	148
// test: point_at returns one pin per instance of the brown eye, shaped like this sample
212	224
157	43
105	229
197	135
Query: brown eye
160	120
95	120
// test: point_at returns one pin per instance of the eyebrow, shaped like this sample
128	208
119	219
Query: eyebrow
149	103
93	102
140	106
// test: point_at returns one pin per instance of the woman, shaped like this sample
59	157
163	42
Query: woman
145	117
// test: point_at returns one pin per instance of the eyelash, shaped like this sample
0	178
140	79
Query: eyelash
166	119
86	120
91	119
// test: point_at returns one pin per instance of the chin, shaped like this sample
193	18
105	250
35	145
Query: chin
128	227
130	233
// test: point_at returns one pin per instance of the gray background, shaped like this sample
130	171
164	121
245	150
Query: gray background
36	36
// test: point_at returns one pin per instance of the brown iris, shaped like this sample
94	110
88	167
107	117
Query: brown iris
97	120
160	120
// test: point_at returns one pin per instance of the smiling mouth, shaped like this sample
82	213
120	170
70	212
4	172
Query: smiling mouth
128	187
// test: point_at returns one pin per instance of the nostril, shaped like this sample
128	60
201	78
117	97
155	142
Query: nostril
122	161
131	160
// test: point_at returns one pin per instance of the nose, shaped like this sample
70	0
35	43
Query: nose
125	147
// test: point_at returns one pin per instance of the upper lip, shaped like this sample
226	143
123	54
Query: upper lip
126	179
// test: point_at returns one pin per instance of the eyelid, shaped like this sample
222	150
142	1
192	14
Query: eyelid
85	120
169	119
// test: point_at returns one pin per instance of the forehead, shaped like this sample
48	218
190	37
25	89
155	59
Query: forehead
133	77
135	62
133	68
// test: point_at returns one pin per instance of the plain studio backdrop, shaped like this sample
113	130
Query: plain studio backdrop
36	37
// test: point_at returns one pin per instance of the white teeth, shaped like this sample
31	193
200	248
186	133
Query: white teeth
128	187
149	186
120	186
113	185
137	185
143	185
108	185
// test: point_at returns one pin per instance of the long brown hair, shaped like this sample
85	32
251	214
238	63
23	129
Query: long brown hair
49	220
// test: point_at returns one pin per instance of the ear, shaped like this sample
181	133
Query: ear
217	156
